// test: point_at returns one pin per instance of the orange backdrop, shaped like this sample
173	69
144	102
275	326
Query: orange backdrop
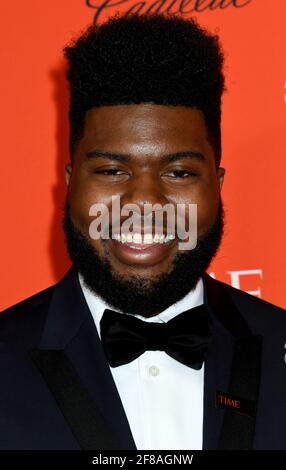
34	143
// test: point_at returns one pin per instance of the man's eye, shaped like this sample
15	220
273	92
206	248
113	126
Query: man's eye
110	171
180	174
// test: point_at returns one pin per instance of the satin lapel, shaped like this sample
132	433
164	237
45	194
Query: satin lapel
232	367
72	362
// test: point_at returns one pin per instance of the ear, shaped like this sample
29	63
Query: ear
68	173
220	174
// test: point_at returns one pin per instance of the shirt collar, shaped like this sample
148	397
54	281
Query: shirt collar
97	305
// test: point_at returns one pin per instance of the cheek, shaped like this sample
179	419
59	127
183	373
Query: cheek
81	197
208	209
207	201
207	213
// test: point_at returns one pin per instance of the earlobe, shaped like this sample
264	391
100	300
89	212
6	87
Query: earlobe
221	173
68	173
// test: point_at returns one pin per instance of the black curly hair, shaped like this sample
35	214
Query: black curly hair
157	58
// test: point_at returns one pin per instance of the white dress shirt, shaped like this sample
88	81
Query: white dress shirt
162	398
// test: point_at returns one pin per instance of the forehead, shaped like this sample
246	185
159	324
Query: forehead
146	128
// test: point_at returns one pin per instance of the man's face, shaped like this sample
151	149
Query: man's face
144	134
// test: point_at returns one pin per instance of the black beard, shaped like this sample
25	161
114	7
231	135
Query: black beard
139	295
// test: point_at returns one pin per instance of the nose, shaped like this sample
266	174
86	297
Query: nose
144	189
147	189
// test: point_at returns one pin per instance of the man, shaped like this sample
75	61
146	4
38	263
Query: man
137	347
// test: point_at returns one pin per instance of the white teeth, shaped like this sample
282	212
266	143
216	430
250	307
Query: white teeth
123	238
137	238
129	237
148	238
156	238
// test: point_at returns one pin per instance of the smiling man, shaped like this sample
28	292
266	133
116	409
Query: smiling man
145	153
137	347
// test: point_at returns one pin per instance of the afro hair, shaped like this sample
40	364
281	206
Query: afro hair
155	58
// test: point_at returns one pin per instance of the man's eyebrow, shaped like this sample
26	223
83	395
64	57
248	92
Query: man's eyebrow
167	158
172	157
121	157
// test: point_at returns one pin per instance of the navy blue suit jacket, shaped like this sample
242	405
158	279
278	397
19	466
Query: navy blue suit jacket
57	390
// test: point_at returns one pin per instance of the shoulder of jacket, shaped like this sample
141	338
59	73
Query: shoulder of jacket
22	320
255	310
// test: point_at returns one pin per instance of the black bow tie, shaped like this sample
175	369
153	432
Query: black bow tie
185	337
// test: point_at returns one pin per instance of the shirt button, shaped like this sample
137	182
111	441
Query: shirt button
154	370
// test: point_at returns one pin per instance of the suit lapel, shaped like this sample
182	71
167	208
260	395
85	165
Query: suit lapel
71	360
233	368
